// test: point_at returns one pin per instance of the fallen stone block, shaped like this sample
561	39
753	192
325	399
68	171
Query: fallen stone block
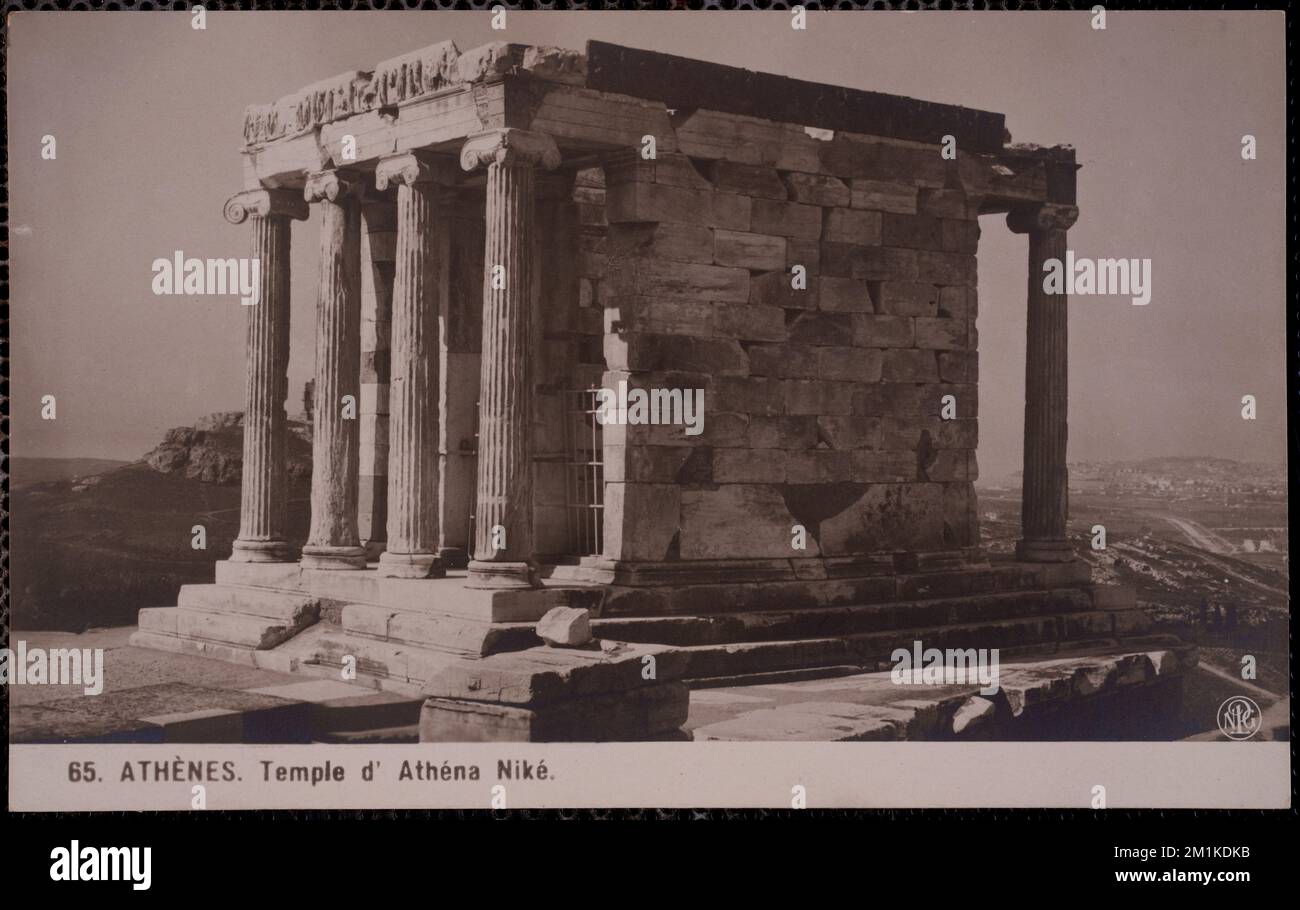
565	627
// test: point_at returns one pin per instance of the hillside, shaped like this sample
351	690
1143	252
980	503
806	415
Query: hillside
91	550
27	471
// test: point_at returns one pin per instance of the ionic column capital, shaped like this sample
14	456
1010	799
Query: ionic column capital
265	204
331	186
1048	217
509	146
410	169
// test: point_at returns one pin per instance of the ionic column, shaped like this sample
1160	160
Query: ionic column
412	547
378	246
333	542
264	486
503	519
1045	496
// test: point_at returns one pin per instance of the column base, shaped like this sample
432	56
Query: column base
261	551
326	557
502	575
410	565
1044	551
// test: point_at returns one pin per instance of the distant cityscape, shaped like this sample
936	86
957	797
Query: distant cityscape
1185	475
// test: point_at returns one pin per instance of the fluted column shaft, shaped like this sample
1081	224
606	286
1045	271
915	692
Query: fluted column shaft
333	542
412	547
1045	496
503	517
264	486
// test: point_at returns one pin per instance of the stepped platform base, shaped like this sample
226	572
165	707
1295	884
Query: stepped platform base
1091	694
400	635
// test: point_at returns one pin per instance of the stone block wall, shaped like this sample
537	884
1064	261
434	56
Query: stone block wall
823	403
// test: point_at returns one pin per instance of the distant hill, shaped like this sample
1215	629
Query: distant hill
26	471
90	549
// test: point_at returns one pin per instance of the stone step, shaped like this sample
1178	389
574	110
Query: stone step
471	637
873	650
830	589
774	625
237	629
298	610
380	659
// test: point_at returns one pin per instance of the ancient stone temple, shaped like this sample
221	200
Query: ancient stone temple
507	231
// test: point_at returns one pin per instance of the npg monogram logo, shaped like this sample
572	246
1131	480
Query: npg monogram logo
1239	717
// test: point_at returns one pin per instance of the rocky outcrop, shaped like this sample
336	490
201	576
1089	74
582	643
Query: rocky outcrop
212	450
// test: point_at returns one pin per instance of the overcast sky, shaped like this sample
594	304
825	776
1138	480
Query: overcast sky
147	113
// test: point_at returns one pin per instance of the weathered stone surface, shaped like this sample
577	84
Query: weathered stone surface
736	521
665	280
945	268
909	365
843	295
643	351
956	303
961	236
917	232
547	675
849	432
748	180
639	201
749	466
672	316
747	322
663	240
881	196
658	464
650	712
777	289
748	395
759	252
819	466
783	432
945	204
882	331
887	466
871	262
959	366
734	212
806	253
852	226
961	514
646	522
817	189
786	219
670	168
849	364
818	397
940	333
824	328
565	627
784	361
908	298
888	516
